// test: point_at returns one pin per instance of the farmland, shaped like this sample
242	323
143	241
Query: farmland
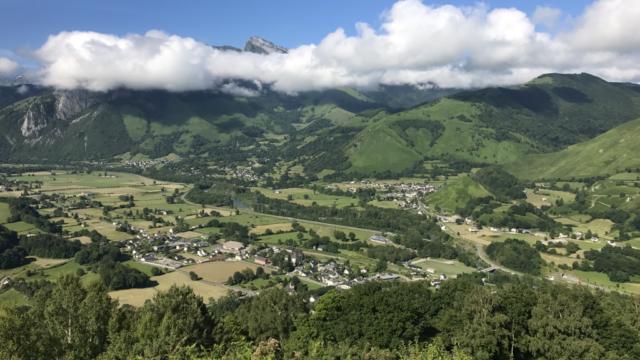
307	197
213	275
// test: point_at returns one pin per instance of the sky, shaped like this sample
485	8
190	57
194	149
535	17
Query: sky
287	22
101	45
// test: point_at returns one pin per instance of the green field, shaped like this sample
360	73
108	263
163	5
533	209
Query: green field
4	212
602	280
443	266
139	266
12	297
147	193
307	197
21	227
544	197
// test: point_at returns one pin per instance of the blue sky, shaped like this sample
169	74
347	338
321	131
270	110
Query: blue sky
25	24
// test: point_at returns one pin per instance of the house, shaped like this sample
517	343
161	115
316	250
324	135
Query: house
379	239
233	246
202	252
387	277
261	260
148	257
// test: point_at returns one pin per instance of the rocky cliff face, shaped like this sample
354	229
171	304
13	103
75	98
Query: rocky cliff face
259	45
70	103
35	119
64	105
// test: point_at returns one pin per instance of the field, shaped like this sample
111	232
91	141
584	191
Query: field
147	193
307	197
213	275
442	266
599	227
21	227
259	230
12	297
545	197
217	271
602	280
4	212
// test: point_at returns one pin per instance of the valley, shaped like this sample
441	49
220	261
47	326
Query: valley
321	195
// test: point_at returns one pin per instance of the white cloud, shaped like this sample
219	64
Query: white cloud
609	25
416	43
7	66
547	16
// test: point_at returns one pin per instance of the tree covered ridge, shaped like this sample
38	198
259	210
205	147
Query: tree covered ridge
514	319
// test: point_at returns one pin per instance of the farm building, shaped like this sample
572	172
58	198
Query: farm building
233	246
379	239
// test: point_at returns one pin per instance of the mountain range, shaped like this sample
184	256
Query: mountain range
388	129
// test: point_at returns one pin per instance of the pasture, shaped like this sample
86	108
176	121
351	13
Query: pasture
443	266
107	189
307	197
217	271
213	275
545	197
4	212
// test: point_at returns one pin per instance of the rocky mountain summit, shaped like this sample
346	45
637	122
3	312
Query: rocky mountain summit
259	45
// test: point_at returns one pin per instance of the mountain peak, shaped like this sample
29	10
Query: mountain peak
259	45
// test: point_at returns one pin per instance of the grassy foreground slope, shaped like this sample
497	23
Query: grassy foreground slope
609	153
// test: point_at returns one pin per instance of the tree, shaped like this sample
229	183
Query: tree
381	265
193	276
559	329
74	320
173	320
339	235
271	314
475	325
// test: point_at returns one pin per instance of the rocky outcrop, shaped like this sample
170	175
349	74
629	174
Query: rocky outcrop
64	105
259	45
70	103
35	119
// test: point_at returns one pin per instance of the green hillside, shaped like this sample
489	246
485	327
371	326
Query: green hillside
157	123
609	153
340	130
495	125
456	193
447	128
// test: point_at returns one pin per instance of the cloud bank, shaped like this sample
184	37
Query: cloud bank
416	43
7	66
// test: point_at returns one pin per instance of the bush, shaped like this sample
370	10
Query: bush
193	276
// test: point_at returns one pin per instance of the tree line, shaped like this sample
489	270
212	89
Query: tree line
516	318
